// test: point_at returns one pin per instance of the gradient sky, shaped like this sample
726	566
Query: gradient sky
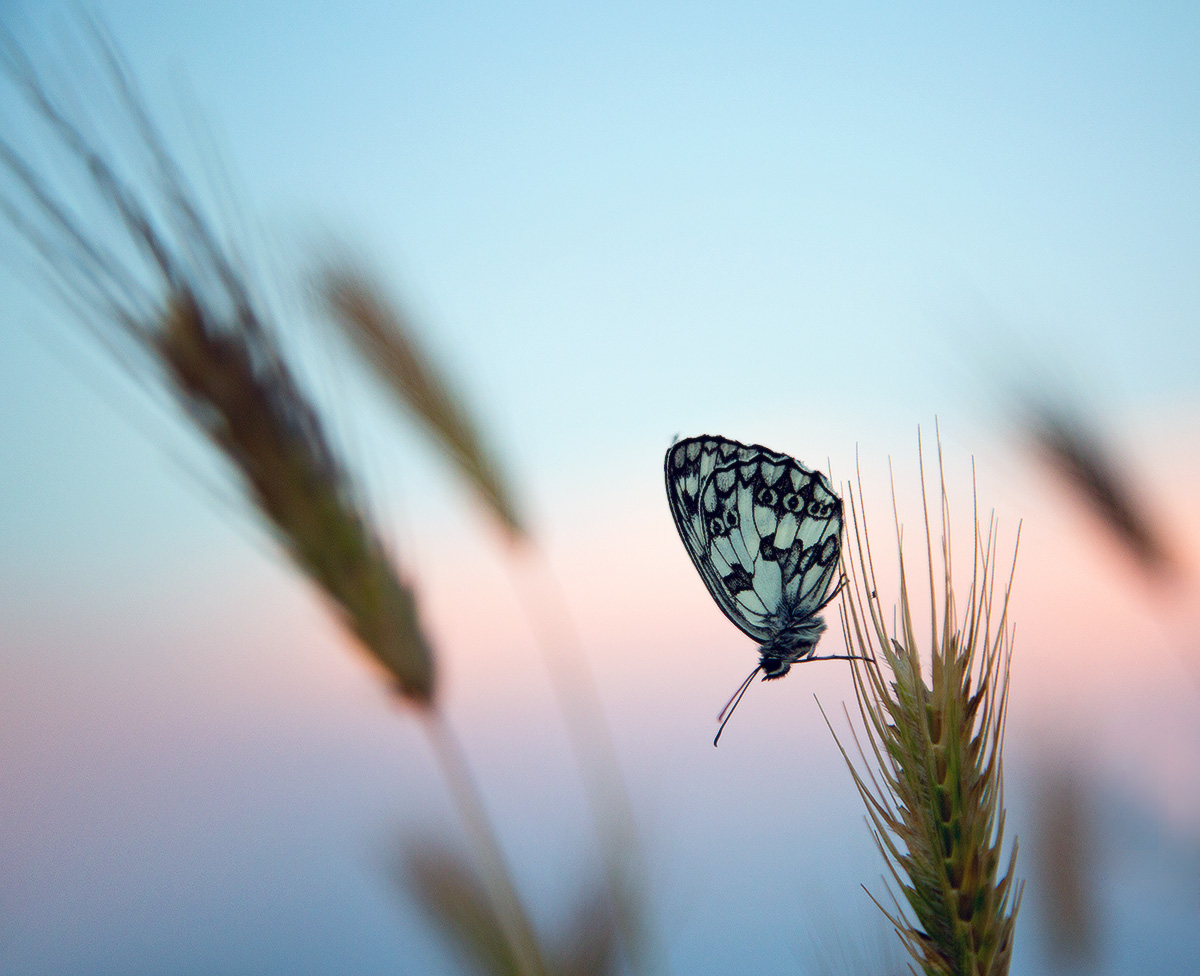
814	229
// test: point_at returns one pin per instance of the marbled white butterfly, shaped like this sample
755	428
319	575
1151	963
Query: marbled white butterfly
764	532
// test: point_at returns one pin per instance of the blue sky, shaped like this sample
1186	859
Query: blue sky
711	215
814	228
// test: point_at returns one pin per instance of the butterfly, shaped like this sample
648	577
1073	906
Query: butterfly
765	534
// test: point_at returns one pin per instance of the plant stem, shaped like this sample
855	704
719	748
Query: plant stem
596	757
495	875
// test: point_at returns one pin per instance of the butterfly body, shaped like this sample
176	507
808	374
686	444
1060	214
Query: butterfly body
795	640
764	532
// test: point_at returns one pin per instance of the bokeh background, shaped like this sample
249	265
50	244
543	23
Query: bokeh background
813	228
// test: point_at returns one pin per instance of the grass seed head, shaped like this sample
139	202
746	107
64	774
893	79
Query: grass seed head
935	793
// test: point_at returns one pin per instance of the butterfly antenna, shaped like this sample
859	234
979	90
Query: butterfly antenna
727	712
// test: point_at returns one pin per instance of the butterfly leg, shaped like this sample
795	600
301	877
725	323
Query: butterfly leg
832	596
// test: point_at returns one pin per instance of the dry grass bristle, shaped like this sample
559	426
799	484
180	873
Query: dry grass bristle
931	773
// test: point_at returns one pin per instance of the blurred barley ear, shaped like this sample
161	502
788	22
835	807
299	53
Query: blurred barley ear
383	338
1090	466
198	335
241	394
449	891
932	778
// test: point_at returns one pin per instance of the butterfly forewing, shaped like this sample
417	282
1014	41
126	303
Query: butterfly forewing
763	530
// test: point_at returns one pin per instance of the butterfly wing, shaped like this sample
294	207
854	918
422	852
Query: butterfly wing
763	531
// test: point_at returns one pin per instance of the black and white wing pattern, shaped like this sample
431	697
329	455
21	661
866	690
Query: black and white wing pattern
764	532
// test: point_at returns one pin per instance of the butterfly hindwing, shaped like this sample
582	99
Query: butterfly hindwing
763	530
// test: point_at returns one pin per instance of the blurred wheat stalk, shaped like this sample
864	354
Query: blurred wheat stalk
181	314
933	785
387	344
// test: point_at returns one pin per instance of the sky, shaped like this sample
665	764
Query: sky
815	229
